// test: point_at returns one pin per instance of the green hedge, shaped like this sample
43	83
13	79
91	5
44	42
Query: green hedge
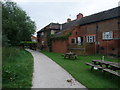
28	42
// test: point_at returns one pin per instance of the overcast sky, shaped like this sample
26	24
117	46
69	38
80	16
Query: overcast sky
44	12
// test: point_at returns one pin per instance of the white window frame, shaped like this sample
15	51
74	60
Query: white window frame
42	42
107	35
90	39
79	40
61	27
42	33
34	40
52	32
74	40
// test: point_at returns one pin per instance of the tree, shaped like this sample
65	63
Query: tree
17	26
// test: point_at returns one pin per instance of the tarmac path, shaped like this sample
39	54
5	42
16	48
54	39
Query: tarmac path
48	74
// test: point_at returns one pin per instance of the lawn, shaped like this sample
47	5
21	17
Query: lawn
81	72
17	68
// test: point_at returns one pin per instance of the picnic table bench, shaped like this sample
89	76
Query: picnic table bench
70	55
112	72
105	66
94	66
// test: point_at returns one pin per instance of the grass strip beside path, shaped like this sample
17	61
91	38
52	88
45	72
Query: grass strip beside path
17	67
81	72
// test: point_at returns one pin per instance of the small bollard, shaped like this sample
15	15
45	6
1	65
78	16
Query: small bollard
103	58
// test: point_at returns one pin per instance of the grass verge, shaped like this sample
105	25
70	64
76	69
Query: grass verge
17	68
81	72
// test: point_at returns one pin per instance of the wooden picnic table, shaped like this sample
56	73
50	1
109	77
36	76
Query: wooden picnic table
70	55
115	66
105	66
111	65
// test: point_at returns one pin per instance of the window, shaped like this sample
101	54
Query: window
42	42
42	33
34	40
73	40
76	33
80	40
90	39
52	32
107	35
61	27
102	48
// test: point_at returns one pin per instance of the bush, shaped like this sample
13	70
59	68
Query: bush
17	68
5	40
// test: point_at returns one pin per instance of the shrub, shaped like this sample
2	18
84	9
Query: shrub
17	68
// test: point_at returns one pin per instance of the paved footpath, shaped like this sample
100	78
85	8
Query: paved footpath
48	74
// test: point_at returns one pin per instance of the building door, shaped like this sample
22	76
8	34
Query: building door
80	40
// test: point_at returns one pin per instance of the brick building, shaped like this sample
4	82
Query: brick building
45	33
97	33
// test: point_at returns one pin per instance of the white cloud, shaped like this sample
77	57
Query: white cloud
45	11
49	0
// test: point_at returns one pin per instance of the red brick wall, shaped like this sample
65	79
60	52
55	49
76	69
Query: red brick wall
75	34
82	31
60	46
110	46
103	26
90	29
42	38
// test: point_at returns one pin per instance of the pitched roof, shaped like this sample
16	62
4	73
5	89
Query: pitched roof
104	15
51	26
70	24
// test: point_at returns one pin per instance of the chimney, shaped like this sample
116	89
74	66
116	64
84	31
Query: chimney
79	16
68	20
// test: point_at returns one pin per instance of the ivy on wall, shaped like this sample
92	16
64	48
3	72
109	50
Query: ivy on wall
50	38
62	37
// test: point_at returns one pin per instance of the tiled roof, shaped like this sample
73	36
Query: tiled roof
51	26
104	15
68	25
